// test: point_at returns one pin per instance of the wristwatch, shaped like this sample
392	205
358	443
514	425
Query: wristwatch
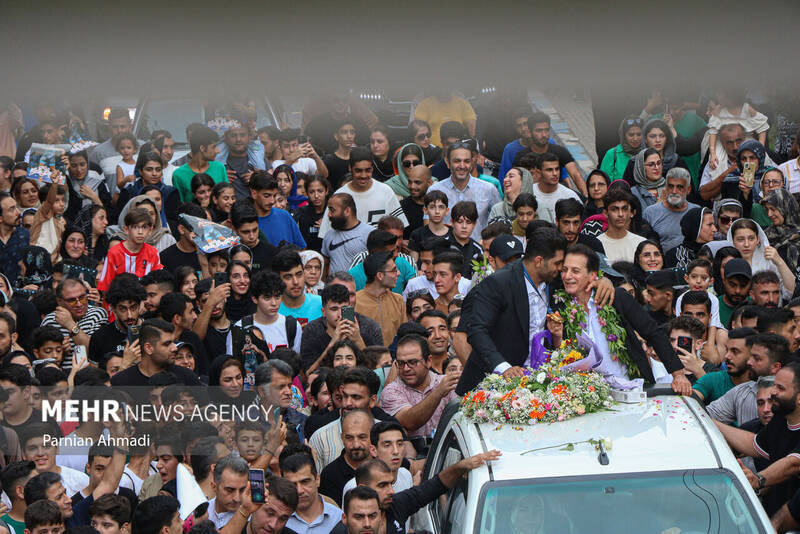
75	330
762	482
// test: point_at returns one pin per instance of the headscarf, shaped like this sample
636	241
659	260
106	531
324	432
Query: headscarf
640	177
670	158
626	124
8	285
38	266
158	231
789	232
294	201
399	182
305	257
217	395
758	262
525	187
691	224
68	232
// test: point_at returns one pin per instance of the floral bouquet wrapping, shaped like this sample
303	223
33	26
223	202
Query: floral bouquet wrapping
223	124
548	394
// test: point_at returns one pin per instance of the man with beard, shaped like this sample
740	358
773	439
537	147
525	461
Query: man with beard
125	296
768	354
347	237
665	216
736	285
765	289
779	442
569	217
712	386
779	321
241	157
356	426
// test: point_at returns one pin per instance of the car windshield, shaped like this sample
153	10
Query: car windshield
174	114
688	502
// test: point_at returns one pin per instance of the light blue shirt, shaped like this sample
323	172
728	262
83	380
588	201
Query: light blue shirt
330	517
483	194
310	309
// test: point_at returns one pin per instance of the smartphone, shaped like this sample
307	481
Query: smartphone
349	313
133	333
303	139
258	492
749	172
220	278
685	343
80	354
276	413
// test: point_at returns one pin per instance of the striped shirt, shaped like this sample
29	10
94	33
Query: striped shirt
121	260
737	405
89	324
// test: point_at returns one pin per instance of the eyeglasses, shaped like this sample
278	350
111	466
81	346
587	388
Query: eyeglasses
411	163
410	363
393	270
464	143
76	300
727	219
771	183
424	135
653	164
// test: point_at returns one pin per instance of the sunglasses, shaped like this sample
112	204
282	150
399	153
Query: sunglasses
411	163
421	136
633	122
727	219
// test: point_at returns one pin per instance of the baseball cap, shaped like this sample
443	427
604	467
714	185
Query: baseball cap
505	247
186	344
738	267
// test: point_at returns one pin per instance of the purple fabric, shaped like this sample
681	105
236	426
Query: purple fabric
539	354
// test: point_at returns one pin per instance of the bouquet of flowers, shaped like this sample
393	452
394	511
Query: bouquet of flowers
547	394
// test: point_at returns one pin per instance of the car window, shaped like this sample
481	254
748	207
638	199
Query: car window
450	453
686	501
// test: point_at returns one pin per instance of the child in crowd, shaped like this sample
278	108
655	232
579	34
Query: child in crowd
126	146
465	216
132	255
699	277
48	222
525	206
249	438
731	107
436	209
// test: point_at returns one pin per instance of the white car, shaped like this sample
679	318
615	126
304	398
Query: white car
667	467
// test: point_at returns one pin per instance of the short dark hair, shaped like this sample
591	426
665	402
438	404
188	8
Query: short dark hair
688	324
418	340
347	201
545	242
385	426
266	284
359	493
202	136
364	471
36	487
263	181
295	462
699	262
592	261
13	475
741	333
41	513
434	196
377	240
16	374
777	346
617	194
525	200
202	454
547	156
243	212
452	129
125	286
359	154
114	506
287	135
161	277
363	376
495	229
335	293
769	318
765	277
454	261
152	329
465	208
390	222
696	298
432	313
374	263
189	208
172	304
153	514
49	376
568	207
43	334
283	490
285	260
537	118
137	215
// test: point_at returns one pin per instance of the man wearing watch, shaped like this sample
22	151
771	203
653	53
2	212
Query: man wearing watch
778	442
75	317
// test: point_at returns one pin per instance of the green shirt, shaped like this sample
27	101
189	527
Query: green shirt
713	385
182	178
18	526
725	311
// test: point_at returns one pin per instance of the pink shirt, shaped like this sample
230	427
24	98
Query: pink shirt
397	396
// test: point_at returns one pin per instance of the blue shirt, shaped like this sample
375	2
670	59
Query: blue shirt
331	515
310	309
509	152
483	194
11	253
407	272
280	226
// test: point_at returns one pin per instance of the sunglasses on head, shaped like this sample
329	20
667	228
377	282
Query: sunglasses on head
411	163
633	122
469	144
417	294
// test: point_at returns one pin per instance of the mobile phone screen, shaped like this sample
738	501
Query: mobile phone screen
348	313
80	354
133	333
257	491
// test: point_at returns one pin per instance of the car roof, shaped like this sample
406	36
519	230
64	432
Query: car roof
661	434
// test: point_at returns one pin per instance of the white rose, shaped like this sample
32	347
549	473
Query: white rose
540	377
607	443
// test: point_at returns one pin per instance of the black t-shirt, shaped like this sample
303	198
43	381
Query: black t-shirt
338	169
414	214
36	417
172	257
201	361
432	154
471	251
418	237
107	339
135	382
215	341
559	151
659	316
777	440
322	127
306	217
334	477
262	255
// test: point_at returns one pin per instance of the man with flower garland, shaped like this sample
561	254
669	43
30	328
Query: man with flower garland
611	327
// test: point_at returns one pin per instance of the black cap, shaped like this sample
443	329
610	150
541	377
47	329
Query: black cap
505	247
738	267
186	344
662	279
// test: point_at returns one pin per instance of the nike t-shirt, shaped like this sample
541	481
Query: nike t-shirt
339	246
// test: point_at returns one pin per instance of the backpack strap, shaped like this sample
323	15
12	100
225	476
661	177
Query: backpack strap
291	330
237	335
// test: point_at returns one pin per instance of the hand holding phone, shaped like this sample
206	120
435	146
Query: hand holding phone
749	172
80	354
349	313
133	333
685	343
258	492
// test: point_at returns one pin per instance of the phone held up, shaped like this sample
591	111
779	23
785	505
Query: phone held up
685	343
258	492
349	313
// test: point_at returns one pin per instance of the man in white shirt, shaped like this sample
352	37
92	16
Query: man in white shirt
373	199
302	157
549	191
618	242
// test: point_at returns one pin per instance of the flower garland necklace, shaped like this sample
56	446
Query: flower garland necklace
610	324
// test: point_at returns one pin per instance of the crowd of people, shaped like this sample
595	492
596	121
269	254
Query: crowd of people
379	274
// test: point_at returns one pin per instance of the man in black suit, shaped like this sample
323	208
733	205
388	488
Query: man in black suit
581	266
500	323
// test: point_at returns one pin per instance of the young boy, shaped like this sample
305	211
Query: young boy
132	255
257	335
699	277
245	223
48	343
43	517
249	440
436	210
53	205
111	514
697	304
464	216
525	206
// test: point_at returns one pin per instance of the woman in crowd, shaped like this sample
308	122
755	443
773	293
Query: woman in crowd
240	253
319	398
84	187
343	352
288	186
405	158
201	186
73	245
658	136
185	280
226	380
381	150
630	143
26	192
648	258
420	133
734	186
647	176
239	303
223	195
784	232
309	217
597	183
517	180
97	223
418	302
313	267
753	244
